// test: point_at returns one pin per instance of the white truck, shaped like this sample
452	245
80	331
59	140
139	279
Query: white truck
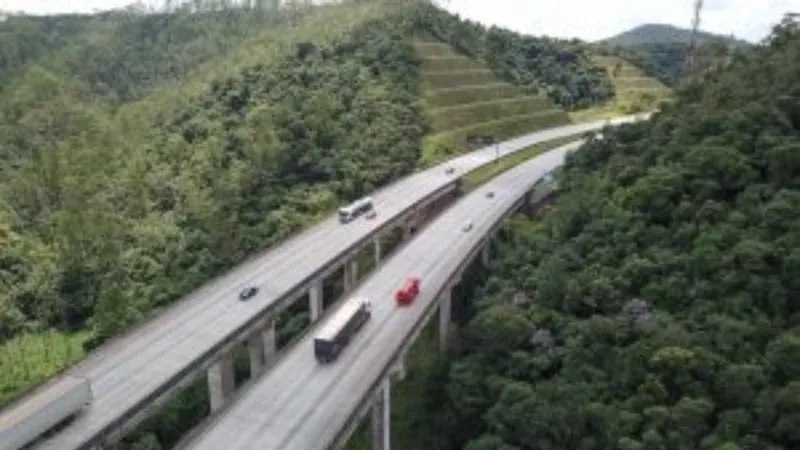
340	328
26	420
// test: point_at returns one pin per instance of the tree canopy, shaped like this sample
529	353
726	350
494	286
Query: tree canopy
100	229
123	188
656	33
655	306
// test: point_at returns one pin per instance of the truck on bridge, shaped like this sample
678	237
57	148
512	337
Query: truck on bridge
339	329
27	420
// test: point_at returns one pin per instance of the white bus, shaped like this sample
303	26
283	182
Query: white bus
336	333
355	209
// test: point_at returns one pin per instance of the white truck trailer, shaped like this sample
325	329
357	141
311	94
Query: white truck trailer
24	421
338	330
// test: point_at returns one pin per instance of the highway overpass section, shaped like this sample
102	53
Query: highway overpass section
303	405
138	371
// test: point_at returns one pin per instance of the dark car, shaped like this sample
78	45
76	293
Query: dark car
467	227
248	292
449	170
490	194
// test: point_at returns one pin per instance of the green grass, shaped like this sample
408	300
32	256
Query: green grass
31	358
443	145
450	78
639	83
635	91
452	62
460	116
464	97
432	49
483	174
444	98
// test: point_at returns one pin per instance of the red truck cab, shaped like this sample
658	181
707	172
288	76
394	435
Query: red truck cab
408	291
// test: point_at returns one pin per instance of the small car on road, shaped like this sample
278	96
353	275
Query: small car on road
248	292
408	291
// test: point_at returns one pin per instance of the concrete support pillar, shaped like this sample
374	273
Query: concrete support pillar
262	348
378	249
270	341
220	382
407	231
255	348
399	368
315	300
485	253
350	274
381	419
445	308
526	207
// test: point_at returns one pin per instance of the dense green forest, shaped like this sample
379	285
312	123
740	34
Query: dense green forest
655	306
661	50
666	61
107	216
142	153
120	54
656	33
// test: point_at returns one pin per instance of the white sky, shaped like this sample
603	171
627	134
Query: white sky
586	19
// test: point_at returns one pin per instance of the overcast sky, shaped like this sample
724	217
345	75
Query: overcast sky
586	19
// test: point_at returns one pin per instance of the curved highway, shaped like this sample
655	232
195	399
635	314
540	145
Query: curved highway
302	405
129	373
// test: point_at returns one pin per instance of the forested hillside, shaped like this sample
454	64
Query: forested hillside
664	61
142	153
120	54
108	214
654	33
661	50
655	306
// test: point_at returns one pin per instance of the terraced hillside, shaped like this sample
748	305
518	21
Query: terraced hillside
465	98
635	91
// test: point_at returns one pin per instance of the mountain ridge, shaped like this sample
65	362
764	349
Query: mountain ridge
655	33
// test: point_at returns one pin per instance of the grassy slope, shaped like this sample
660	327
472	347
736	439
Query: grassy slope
465	98
635	91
